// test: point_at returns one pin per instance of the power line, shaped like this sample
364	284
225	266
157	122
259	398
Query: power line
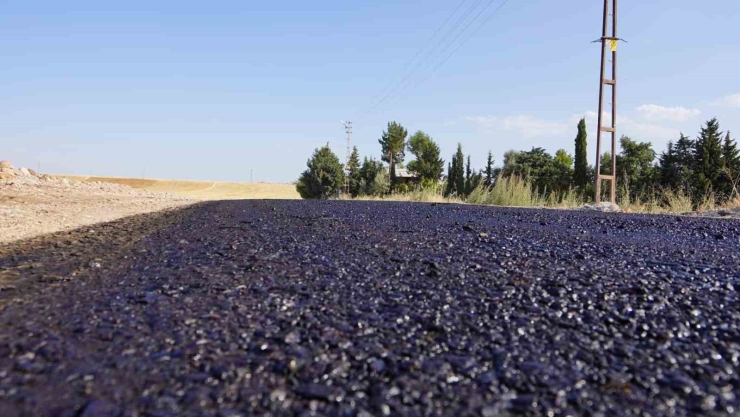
393	80
436	67
425	60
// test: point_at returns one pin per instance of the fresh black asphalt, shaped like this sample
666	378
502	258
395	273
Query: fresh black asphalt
302	308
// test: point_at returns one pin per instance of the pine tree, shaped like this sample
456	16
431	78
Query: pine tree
489	170
685	163
393	143
353	170
468	177
580	172
324	176
708	158
460	174
730	153
731	167
456	174
668	166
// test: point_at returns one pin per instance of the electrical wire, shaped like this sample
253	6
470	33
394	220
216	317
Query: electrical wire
426	60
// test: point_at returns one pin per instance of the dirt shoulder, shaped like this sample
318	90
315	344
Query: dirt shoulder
31	206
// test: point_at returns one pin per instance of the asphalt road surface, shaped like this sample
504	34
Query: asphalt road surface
367	309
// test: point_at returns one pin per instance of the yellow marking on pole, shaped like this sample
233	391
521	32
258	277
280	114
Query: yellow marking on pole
613	45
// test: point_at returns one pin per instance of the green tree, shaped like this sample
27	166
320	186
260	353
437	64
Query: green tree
685	163
708	159
489	171
730	153
668	167
468	177
324	176
580	171
428	164
562	157
393	143
456	174
368	173
635	167
353	170
731	168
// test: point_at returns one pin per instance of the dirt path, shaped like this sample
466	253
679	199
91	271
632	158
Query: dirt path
32	206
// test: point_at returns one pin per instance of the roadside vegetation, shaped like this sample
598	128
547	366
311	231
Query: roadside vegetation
690	174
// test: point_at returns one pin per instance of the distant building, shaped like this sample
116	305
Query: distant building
404	176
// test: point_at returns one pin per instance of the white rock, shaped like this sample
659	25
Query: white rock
603	207
24	172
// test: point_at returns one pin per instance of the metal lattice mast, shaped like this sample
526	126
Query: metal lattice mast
611	42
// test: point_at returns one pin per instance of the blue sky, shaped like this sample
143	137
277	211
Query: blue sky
211	90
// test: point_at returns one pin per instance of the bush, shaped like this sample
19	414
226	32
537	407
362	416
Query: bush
381	185
324	176
401	188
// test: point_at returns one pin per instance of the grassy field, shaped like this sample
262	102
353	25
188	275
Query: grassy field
202	190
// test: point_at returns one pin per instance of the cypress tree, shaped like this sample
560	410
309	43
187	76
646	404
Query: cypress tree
580	172
489	170
468	177
353	169
460	174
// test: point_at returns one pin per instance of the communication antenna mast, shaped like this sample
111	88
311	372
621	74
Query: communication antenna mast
348	129
611	43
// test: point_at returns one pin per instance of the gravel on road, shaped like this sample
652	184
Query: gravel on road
373	308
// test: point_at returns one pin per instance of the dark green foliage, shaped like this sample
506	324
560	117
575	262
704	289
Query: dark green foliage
580	174
668	167
708	165
730	168
324	176
368	173
456	174
428	164
544	172
730	153
393	143
468	176
489	178
635	168
353	169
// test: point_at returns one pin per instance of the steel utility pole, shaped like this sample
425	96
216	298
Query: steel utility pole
611	42
348	129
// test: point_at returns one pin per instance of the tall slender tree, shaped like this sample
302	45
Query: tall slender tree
353	170
393	143
708	158
456	174
580	170
489	170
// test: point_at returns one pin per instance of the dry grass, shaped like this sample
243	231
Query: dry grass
418	196
203	190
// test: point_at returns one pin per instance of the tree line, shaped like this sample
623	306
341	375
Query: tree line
706	166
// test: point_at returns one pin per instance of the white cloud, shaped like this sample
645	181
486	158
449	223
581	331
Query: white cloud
637	130
729	101
655	112
525	125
